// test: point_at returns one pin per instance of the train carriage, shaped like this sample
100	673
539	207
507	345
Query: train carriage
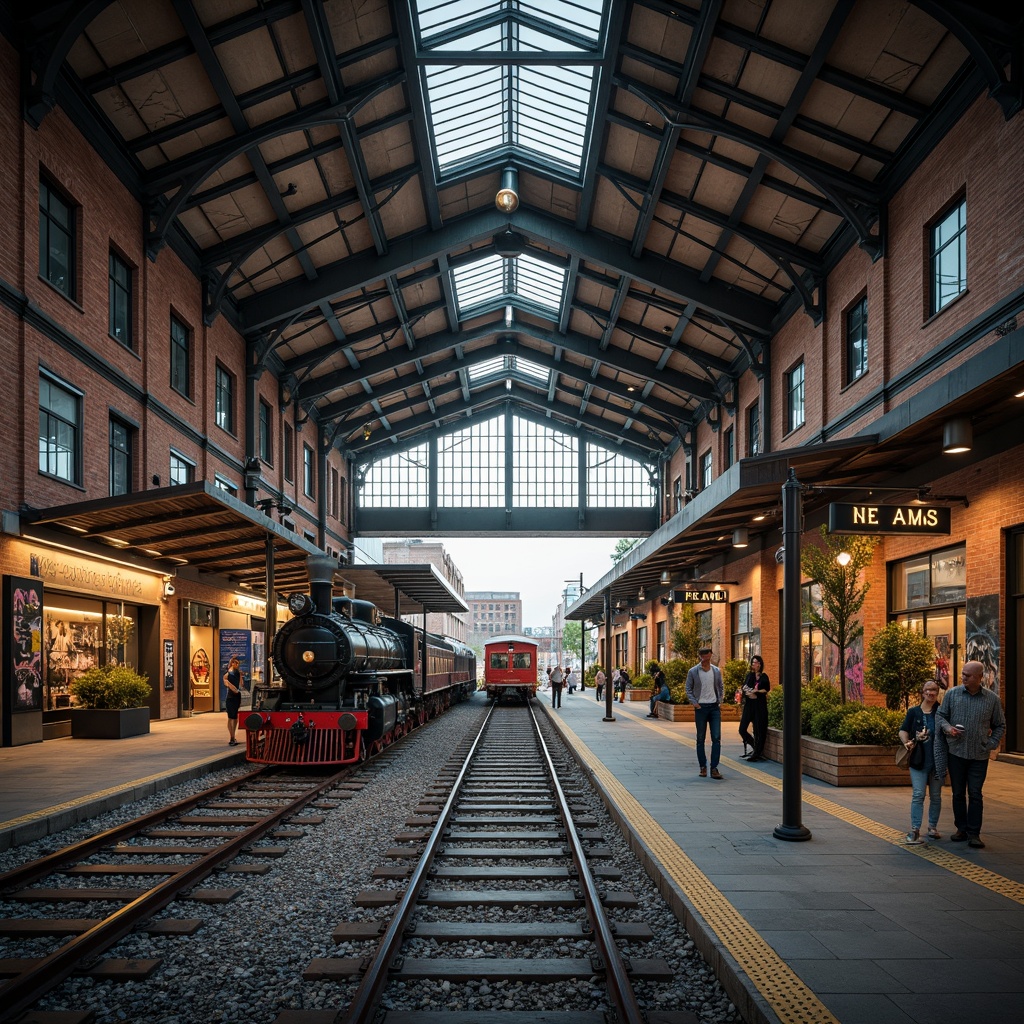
510	667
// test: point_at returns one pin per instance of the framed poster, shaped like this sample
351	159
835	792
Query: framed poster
168	664
23	663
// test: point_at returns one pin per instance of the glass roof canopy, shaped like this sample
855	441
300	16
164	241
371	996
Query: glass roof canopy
508	77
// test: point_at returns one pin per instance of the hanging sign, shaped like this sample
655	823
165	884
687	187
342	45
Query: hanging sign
692	596
889	519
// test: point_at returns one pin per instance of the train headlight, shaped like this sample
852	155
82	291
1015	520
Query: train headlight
308	657
300	604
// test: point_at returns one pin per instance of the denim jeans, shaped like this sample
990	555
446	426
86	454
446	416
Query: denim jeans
921	780
966	777
705	715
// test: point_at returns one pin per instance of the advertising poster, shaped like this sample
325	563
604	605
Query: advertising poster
235	643
168	664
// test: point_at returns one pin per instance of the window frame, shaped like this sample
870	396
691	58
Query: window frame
795	391
126	290
288	444
755	444
936	250
49	195
190	469
50	453
728	447
706	468
308	471
181	353
856	331
742	638
265	432
125	454
224	392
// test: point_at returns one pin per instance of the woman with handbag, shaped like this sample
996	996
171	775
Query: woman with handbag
926	761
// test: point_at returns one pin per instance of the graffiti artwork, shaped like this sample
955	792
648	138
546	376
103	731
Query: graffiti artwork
23	669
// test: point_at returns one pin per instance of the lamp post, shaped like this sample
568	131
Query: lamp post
583	632
791	827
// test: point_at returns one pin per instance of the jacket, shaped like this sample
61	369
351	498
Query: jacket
693	683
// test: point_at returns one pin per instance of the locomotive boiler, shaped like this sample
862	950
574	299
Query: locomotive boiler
352	681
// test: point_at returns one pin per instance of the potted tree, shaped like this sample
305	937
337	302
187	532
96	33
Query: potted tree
110	703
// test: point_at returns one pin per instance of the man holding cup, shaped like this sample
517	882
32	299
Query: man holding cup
972	721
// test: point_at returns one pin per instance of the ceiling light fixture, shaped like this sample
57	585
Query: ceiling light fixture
740	537
957	435
367	430
507	199
666	577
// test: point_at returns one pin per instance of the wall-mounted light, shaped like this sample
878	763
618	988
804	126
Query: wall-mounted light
957	435
740	537
511	647
367	430
844	558
507	199
641	594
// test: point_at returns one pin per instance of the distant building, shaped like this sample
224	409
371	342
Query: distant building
418	552
492	612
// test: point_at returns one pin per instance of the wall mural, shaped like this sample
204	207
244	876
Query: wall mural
983	636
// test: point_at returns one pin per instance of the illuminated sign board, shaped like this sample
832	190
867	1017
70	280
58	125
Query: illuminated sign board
891	519
689	596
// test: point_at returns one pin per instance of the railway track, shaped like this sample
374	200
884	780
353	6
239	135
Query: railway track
497	852
156	859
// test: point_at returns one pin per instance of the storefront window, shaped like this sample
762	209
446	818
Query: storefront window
742	627
919	586
810	638
78	634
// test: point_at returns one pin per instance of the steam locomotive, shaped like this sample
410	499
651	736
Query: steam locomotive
352	680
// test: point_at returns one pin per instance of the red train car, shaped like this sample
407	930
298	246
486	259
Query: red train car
510	667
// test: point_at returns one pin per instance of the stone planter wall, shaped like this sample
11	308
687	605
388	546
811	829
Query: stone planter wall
103	724
638	695
841	764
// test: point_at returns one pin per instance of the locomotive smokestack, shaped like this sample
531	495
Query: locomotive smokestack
321	569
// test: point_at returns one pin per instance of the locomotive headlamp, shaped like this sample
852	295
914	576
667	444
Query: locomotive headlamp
300	604
308	657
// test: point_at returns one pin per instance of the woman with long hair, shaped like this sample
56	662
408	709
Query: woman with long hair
927	763
755	709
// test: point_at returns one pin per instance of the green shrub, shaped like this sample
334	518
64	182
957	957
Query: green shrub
871	725
111	688
775	707
675	675
827	724
817	695
734	671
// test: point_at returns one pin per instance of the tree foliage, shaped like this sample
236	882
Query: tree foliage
623	548
686	636
899	661
842	593
571	631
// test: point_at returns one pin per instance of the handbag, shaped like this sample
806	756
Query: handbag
902	757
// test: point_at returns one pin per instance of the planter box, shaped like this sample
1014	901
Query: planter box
842	764
638	695
684	712
103	724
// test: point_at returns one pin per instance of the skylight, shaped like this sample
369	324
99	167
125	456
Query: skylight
494	280
539	106
501	366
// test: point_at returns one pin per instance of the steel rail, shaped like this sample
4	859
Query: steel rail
32	871
20	992
363	1007
620	989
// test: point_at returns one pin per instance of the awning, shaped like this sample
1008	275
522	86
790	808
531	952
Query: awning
175	529
703	529
419	588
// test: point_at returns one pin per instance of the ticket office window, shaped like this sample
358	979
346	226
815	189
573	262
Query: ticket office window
929	593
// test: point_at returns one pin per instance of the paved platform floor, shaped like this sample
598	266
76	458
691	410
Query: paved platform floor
850	926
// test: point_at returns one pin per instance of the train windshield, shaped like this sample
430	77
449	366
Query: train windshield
499	660
522	659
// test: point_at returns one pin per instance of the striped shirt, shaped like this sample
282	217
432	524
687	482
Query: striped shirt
982	717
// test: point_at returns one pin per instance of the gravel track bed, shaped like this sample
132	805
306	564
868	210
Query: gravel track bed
245	964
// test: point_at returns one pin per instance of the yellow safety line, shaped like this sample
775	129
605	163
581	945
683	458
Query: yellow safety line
89	797
788	996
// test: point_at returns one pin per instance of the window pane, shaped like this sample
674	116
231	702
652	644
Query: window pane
120	320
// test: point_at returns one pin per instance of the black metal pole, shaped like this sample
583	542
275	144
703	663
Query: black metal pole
791	827
609	694
270	614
